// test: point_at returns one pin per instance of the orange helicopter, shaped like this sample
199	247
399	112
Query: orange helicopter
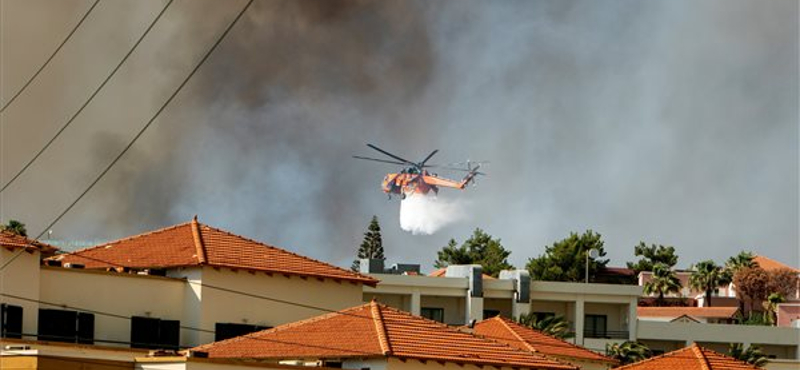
415	178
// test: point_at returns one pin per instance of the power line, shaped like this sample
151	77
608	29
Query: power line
89	100
141	131
46	62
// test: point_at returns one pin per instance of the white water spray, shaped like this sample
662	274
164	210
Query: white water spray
426	214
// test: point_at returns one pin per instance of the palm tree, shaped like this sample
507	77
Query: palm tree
707	276
14	227
771	304
628	352
663	282
555	325
752	355
743	259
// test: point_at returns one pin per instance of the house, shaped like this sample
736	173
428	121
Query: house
527	339
706	315
375	336
179	286
693	357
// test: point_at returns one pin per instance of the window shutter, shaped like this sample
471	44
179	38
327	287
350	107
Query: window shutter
10	321
85	329
170	334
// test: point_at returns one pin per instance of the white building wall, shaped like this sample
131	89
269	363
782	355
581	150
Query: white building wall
21	278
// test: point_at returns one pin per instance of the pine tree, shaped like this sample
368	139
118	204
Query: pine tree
480	249
372	246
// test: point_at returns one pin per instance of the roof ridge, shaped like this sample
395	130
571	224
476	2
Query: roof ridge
701	357
354	274
151	232
664	355
704	350
282	327
561	340
198	241
380	328
514	333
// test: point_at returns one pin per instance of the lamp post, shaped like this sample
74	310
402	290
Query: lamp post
591	253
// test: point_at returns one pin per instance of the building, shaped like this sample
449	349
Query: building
705	315
599	314
527	339
179	286
375	336
693	357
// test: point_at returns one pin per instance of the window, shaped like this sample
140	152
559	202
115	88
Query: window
435	314
152	333
488	314
224	331
10	321
66	326
595	326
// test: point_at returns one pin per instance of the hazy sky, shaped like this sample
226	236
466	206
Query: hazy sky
670	122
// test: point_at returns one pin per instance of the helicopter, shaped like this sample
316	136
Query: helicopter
415	178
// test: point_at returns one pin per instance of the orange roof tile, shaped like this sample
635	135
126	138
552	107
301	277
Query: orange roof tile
440	273
196	244
709	312
693	357
771	264
13	241
373	331
525	338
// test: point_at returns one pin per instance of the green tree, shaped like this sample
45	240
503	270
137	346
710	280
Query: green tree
771	305
664	281
652	255
628	352
565	260
554	325
707	276
741	260
480	249
752	355
15	227
372	246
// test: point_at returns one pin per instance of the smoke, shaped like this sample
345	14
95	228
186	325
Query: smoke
422	214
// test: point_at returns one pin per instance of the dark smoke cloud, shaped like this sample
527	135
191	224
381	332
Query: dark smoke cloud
670	122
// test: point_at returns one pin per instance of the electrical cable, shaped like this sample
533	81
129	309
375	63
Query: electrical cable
89	100
46	62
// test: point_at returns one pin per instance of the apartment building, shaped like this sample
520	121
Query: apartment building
175	287
598	313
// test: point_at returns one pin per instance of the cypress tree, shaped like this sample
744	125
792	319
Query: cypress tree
372	246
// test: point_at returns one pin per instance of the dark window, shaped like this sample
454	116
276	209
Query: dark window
152	333
224	331
10	321
595	326
435	314
66	326
488	314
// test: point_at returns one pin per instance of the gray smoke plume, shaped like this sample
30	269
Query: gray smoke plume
672	122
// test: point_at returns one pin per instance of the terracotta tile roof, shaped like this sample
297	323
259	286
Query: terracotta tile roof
14	241
771	264
693	357
196	244
374	330
674	312
525	338
440	273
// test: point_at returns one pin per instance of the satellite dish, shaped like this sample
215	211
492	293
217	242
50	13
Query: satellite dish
593	253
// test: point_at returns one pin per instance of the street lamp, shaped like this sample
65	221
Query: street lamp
591	253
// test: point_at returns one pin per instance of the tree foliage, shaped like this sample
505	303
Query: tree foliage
741	260
707	276
783	281
628	352
15	227
565	260
555	325
752	355
480	249
664	281
372	245
752	283
651	256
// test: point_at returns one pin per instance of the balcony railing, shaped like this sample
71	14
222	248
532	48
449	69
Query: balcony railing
605	334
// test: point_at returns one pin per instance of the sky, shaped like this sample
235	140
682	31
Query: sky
668	122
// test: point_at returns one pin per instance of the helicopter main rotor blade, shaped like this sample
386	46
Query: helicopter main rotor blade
378	160
422	164
406	161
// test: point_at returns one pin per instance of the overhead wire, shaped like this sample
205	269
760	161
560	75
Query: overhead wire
89	100
46	62
140	132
